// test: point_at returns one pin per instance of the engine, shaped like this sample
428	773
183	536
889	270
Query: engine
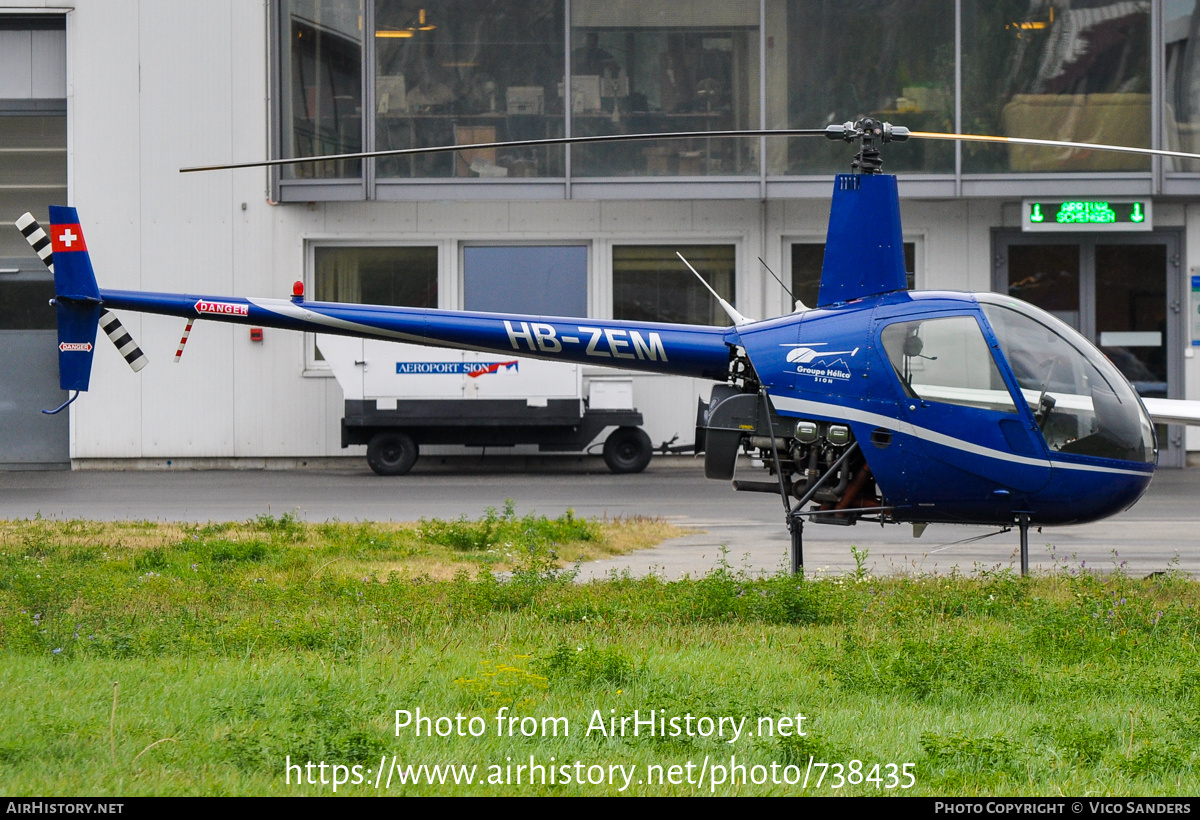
812	461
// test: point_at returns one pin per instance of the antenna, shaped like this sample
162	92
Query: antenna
738	319
799	305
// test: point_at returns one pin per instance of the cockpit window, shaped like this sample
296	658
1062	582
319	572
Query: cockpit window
946	360
1081	402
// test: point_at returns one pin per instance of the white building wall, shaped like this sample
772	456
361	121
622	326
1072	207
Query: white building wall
154	86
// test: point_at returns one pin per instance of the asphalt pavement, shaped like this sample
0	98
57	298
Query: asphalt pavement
745	529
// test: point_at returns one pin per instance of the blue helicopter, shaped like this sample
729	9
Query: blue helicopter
877	404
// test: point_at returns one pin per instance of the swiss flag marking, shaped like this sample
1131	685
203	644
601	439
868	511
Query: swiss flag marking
64	238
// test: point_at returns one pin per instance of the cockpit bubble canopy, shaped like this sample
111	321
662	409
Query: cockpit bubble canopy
1082	403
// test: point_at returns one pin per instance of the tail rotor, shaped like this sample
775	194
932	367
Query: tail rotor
77	298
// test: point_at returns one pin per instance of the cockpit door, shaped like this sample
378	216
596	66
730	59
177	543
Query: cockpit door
962	410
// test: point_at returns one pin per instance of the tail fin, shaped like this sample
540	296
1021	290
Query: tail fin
71	265
77	297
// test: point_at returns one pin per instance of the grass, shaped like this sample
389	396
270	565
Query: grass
161	659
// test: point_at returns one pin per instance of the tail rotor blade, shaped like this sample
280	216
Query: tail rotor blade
124	343
37	239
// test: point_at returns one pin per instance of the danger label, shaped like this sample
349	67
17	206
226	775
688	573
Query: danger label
226	308
75	347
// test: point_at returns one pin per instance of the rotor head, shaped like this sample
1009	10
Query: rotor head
867	132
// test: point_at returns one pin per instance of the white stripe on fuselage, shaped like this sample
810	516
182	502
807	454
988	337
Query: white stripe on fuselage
284	307
837	411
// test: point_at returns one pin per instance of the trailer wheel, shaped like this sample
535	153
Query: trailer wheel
627	450
391	453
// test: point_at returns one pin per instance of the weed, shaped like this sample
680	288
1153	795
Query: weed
286	527
1160	757
588	666
860	563
1076	741
503	684
153	559
223	552
504	530
318	722
976	754
796	750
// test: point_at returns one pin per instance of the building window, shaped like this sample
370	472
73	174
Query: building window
399	276
1181	110
321	56
651	284
808	257
656	66
1048	70
469	71
546	280
33	123
817	75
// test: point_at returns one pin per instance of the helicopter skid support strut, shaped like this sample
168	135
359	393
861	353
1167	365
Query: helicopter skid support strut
1023	525
794	515
795	525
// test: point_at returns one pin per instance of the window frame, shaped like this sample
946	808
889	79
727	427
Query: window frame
314	367
737	244
550	242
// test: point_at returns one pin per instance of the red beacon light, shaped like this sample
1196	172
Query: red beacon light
297	291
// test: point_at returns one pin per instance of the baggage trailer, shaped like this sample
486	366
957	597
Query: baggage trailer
399	397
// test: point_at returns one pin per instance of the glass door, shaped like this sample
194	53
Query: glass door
1122	292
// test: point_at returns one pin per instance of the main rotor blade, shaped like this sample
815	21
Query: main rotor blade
474	146
1096	146
675	135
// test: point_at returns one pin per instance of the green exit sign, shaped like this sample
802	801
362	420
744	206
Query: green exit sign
1086	215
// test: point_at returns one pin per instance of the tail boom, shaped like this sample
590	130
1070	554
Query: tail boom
684	350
